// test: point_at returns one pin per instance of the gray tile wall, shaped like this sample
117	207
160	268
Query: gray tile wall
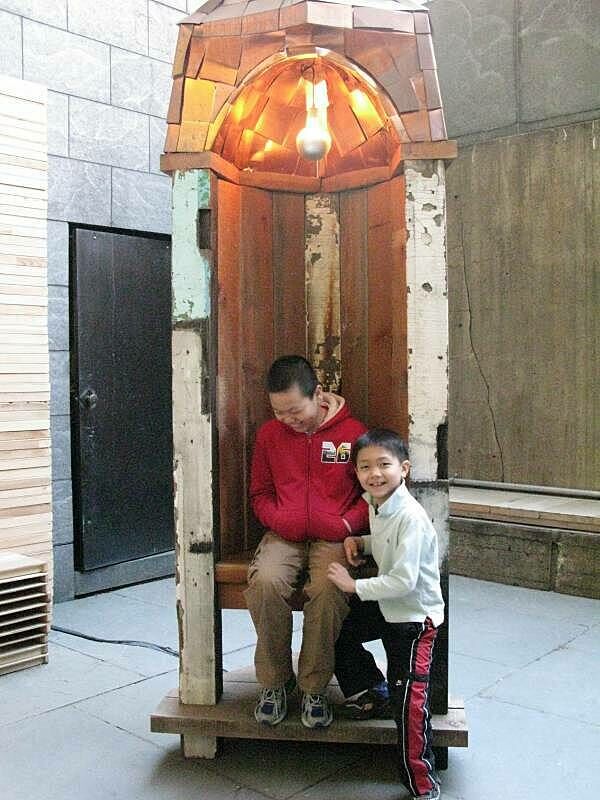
108	68
510	66
505	66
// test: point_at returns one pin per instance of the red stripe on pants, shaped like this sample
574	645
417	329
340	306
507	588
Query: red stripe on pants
416	713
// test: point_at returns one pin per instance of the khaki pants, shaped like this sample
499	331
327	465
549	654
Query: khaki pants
277	569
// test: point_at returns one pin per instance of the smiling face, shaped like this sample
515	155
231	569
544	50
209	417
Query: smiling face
300	413
380	472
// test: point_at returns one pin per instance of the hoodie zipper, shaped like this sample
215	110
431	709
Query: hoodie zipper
309	448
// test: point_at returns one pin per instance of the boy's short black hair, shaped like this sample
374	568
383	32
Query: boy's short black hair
288	371
381	437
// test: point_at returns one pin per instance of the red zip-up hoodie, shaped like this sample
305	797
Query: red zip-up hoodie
304	486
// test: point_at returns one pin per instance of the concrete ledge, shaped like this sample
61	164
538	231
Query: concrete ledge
534	556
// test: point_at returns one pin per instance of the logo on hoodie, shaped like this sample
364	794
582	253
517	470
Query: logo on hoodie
330	454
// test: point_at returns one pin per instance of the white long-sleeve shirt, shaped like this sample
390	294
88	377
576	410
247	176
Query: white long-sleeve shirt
403	542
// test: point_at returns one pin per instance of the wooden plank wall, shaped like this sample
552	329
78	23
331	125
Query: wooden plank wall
524	298
25	469
266	294
373	292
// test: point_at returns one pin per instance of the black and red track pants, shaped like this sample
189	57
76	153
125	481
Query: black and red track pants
409	650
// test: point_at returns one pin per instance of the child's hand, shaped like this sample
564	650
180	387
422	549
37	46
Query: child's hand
353	548
341	578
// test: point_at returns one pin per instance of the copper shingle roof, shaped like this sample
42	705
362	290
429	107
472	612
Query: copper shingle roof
244	52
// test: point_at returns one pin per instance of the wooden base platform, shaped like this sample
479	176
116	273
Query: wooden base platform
233	717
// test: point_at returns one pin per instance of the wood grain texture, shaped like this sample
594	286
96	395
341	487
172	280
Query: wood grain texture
230	420
386	328
233	717
256	271
354	266
289	293
523	249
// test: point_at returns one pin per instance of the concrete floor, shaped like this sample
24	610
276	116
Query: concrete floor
525	661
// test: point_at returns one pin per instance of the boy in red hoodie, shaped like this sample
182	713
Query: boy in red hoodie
304	491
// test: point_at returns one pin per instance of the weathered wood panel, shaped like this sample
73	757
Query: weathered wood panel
386	312
256	268
233	718
523	252
200	656
354	270
25	464
289	286
322	261
230	421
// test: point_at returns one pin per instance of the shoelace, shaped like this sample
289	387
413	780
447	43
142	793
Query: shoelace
314	700
270	695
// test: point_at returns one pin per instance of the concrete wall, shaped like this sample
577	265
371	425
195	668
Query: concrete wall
518	78
107	66
512	66
524	294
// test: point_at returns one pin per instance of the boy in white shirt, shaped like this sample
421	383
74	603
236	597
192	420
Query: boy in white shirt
402	606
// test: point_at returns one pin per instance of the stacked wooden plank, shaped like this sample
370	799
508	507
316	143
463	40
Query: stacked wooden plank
25	492
24	612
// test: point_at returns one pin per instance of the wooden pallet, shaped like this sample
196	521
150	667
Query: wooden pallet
24	612
233	717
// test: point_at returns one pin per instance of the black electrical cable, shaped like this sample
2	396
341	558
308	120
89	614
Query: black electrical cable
150	645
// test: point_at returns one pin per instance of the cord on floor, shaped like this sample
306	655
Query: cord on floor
161	648
150	645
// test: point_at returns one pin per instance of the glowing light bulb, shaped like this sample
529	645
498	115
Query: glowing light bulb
314	140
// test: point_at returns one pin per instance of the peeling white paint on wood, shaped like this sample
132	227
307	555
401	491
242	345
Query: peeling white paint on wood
322	261
427	335
192	445
191	267
434	500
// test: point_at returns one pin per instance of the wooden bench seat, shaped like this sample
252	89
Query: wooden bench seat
231	574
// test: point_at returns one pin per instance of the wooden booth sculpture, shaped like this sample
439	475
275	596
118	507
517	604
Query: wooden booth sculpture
306	141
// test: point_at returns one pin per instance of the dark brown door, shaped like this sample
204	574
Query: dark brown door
121	398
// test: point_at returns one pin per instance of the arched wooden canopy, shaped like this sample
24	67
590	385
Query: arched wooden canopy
238	101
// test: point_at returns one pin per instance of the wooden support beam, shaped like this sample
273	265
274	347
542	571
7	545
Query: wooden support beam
427	344
199	666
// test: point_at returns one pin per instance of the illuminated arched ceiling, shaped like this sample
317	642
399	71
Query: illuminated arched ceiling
238	93
259	130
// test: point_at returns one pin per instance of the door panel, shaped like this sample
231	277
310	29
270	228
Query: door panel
121	397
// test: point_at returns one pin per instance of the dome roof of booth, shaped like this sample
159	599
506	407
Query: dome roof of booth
238	100
230	9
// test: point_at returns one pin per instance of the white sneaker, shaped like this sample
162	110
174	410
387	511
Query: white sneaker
316	711
271	707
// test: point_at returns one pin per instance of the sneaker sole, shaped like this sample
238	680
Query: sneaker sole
312	726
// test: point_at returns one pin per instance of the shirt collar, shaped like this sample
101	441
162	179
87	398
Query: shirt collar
394	503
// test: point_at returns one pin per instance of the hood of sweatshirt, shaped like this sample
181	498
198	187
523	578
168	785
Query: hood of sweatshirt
336	409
